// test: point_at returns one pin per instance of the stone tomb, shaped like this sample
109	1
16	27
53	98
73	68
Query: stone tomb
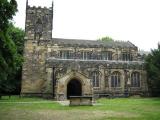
80	100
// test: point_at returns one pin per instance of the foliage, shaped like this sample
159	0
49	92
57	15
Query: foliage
8	8
13	82
153	71
11	48
106	39
17	35
8	57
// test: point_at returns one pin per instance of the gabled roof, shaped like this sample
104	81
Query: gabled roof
93	43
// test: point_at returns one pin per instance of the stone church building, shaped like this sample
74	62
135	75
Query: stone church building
59	68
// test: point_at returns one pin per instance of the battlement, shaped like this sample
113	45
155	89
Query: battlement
33	8
39	7
38	22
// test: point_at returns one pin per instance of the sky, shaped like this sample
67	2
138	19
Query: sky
137	21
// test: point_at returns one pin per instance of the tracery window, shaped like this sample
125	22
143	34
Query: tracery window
95	78
135	79
115	79
126	56
106	55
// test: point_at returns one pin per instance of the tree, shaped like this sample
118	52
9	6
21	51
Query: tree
13	82
153	71
106	39
8	52
8	8
17	35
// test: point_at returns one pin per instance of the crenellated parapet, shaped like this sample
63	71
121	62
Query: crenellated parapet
109	64
38	24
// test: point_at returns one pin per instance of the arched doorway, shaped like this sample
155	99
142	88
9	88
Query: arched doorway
74	88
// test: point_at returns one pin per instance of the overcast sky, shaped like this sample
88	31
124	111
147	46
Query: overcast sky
135	20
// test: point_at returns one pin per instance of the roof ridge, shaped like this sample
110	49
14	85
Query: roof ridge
93	42
74	39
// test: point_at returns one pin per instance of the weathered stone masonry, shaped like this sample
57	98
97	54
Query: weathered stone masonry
58	68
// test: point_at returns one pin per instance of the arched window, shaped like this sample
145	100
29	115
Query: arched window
95	78
135	79
38	29
115	79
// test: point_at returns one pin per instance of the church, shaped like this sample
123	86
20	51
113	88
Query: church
58	68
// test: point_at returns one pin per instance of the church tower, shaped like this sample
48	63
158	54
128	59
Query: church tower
38	28
38	24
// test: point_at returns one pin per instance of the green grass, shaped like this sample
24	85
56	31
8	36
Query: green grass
19	99
17	108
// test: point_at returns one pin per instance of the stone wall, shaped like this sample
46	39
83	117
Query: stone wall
38	26
45	73
106	68
40	59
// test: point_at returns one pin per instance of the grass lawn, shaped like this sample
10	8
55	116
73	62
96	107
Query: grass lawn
106	109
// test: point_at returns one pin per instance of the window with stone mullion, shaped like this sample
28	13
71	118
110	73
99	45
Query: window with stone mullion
95	79
135	80
65	54
126	56
109	55
72	55
115	80
106	55
85	55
